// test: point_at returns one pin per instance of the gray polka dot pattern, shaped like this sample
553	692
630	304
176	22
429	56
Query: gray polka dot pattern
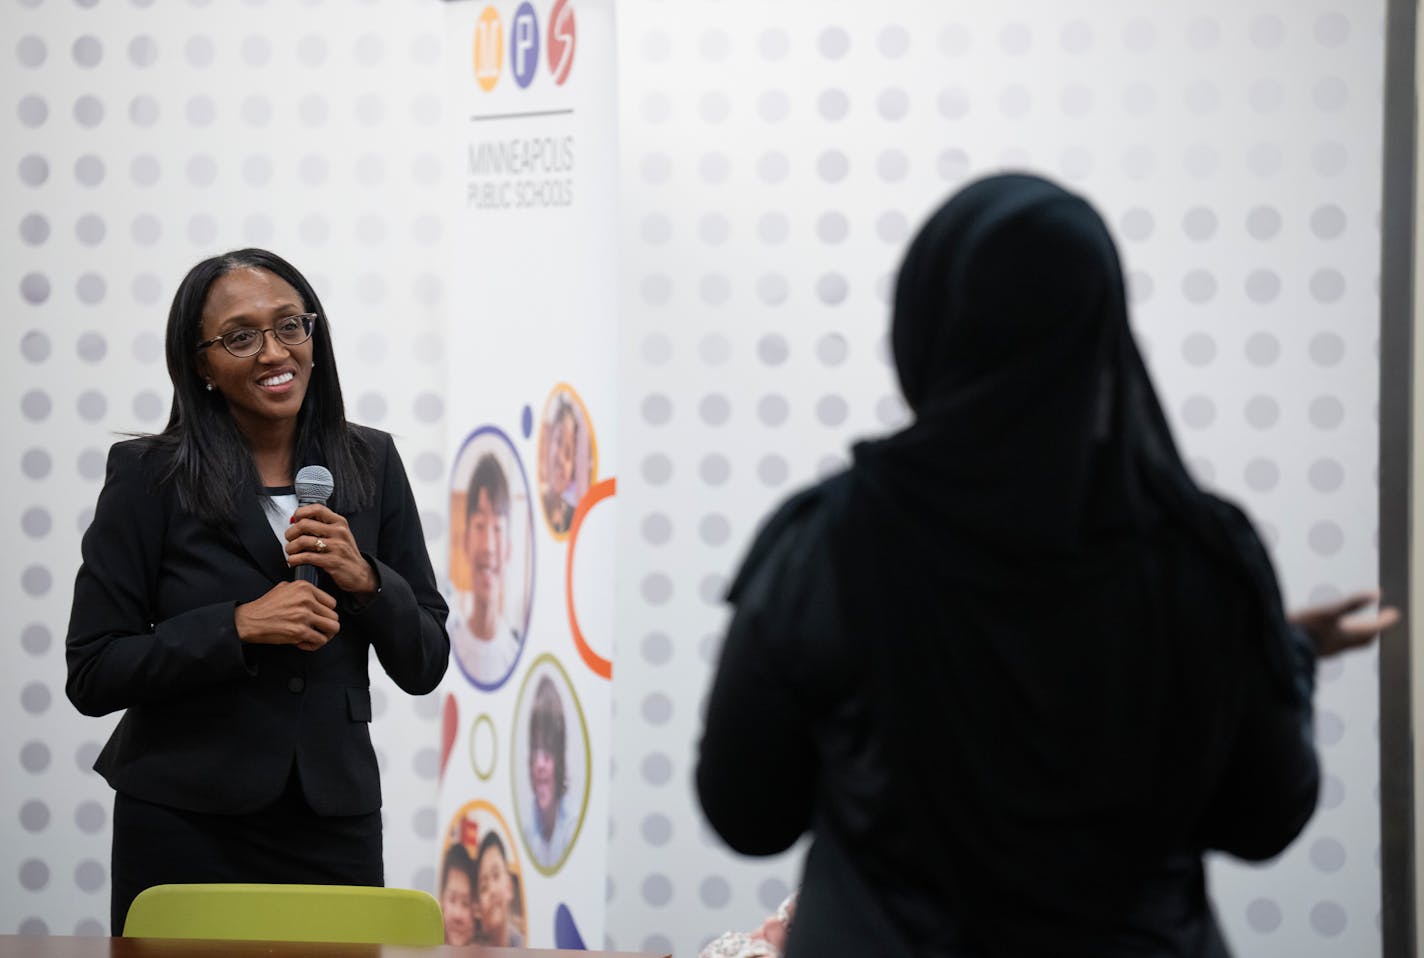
714	469
34	757
33	170
34	816
35	639
656	649
85	756
424	823
657	469
1263	915
35	698
35	580
1329	727
657	588
34	874
90	876
1327	854
1328	918
657	529
771	893
657	890
656	769
657	829
90	817
91	928
714	529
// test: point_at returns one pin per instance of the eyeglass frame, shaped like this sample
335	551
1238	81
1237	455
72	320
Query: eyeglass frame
308	319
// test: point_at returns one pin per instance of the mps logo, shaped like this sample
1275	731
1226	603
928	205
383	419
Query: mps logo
524	49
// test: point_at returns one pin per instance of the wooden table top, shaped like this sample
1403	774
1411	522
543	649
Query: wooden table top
63	946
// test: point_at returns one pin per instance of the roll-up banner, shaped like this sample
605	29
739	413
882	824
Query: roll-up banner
524	751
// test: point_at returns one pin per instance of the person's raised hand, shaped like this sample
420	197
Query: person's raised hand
290	613
1333	632
319	537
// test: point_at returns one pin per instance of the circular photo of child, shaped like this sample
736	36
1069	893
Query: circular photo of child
491	557
568	458
481	885
551	762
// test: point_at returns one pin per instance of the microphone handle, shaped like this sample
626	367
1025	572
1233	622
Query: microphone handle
307	573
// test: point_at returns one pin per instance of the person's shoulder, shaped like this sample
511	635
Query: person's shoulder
135	448
805	501
803	510
141	455
794	529
377	449
138	475
1239	530
377	439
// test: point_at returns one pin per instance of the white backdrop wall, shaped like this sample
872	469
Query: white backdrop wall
775	158
138	138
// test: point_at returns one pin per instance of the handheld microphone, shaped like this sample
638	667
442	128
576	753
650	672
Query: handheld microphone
314	486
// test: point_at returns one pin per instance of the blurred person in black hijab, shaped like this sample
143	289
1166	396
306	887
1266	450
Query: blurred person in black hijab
1012	669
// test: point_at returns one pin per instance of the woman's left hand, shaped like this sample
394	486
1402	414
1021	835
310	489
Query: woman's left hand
321	538
1331	630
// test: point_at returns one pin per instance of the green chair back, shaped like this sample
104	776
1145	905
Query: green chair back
338	913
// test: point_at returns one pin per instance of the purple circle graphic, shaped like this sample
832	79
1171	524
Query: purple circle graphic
524	44
492	602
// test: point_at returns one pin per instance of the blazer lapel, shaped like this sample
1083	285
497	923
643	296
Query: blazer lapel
255	534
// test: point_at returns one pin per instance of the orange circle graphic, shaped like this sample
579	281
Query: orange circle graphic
597	493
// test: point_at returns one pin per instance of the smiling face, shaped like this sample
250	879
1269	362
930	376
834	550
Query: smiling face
264	392
457	907
487	547
496	892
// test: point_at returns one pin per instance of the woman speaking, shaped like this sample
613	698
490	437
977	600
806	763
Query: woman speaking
244	754
1013	669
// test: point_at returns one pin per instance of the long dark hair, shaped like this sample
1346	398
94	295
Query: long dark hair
209	463
546	730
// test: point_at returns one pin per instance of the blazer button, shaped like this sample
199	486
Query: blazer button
295	684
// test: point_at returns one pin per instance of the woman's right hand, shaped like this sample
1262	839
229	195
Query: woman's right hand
291	613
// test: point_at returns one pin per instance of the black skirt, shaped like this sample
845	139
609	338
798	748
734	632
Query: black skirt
284	843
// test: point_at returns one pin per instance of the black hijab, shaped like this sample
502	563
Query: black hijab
995	558
1038	441
1012	346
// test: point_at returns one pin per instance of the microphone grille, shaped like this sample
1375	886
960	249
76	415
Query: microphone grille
314	484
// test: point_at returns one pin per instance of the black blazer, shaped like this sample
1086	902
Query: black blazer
215	725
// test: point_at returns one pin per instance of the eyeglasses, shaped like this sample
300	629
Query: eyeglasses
247	341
